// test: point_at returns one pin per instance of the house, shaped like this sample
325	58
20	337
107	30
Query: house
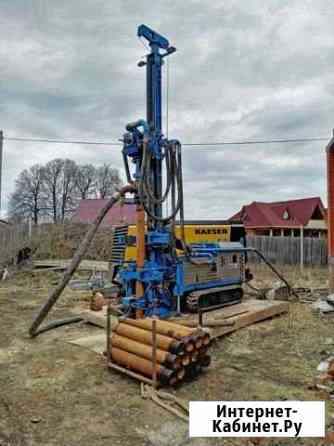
119	214
305	217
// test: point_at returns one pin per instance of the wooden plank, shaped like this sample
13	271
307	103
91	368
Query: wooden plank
251	318
95	343
242	315
85	265
98	318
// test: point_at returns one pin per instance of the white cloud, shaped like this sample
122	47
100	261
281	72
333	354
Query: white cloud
243	70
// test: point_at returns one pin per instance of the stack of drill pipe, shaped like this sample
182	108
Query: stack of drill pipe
181	352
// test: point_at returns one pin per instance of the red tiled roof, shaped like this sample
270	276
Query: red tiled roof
89	208
258	214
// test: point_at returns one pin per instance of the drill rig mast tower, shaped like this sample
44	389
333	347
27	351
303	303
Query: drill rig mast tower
158	283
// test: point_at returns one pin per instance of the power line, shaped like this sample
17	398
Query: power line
205	144
62	141
266	141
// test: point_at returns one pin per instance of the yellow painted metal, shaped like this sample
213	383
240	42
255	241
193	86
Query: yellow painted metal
193	234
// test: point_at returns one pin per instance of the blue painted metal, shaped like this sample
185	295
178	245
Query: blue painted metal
163	272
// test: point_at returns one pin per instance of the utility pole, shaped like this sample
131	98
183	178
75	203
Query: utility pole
1	152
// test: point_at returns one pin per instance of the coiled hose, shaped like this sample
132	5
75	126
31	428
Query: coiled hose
147	196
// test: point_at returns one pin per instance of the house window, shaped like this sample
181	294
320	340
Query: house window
286	215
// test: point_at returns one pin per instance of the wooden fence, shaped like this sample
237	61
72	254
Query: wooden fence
60	241
49	241
287	250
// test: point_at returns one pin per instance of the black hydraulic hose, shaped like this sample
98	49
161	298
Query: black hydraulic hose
56	292
59	323
147	186
145	191
266	261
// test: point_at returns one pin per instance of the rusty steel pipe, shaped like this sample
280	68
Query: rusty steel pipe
180	374
194	356
173	381
206	339
112	365
203	350
145	351
189	346
192	371
170	329
138	364
163	327
185	360
198	343
145	337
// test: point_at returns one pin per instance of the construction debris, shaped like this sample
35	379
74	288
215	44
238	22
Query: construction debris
324	305
97	302
279	291
5	274
324	381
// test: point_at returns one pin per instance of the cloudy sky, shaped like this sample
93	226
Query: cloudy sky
243	70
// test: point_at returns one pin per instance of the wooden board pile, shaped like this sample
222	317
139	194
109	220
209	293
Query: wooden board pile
181	352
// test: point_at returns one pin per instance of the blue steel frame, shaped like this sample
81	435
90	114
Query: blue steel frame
162	274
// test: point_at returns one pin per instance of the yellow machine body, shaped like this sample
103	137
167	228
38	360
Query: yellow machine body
194	233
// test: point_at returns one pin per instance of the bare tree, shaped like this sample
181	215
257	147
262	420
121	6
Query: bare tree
68	185
56	188
85	181
27	200
107	180
52	185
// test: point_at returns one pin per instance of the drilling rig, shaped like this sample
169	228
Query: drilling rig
168	275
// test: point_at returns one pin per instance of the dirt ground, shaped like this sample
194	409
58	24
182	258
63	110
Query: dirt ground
55	393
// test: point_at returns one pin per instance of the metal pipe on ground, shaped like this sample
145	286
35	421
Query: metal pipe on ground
203	351
145	351
173	381
163	327
170	329
194	356
134	375
189	345
144	366
181	374
145	337
185	360
192	371
206	339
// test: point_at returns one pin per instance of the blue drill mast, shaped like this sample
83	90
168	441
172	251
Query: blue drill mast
146	146
155	284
